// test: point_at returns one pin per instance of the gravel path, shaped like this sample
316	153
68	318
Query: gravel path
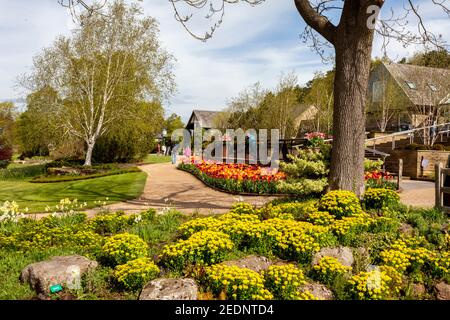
168	187
417	193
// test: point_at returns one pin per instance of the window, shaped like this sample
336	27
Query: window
411	85
432	87
377	91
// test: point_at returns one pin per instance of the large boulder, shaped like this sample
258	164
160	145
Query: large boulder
442	291
343	254
318	290
255	263
63	270
170	289
406	229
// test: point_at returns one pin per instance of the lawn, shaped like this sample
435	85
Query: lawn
36	196
154	158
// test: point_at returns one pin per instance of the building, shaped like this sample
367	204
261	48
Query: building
202	119
403	96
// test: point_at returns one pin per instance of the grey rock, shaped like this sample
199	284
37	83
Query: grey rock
417	290
64	270
170	289
318	290
255	263
406	229
442	291
343	254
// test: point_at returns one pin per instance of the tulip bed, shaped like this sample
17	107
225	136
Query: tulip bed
236	178
134	249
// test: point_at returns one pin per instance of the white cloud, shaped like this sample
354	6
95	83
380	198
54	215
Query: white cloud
253	44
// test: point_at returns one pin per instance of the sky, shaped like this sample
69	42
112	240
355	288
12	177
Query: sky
253	44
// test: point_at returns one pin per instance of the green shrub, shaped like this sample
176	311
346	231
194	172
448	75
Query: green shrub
124	247
340	203
134	274
202	248
378	198
307	172
111	223
283	281
236	283
439	147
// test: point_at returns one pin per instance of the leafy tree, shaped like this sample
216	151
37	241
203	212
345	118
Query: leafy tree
320	95
111	61
6	133
37	129
433	58
172	123
134	137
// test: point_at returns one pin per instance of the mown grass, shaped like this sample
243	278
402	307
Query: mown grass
153	158
36	196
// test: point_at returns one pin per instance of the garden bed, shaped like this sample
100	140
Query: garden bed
374	250
75	177
231	179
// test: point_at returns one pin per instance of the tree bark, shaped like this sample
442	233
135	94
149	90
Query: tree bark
353	47
88	158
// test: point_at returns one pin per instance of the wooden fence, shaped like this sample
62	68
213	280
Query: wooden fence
441	190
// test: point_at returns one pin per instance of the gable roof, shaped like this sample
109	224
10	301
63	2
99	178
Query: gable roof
204	117
423	86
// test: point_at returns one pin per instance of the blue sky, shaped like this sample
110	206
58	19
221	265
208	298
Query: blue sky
253	44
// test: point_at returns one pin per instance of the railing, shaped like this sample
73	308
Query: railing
409	133
440	175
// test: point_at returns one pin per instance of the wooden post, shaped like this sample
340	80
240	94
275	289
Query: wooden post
400	173
438	186
393	142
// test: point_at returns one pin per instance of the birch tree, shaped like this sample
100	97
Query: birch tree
113	59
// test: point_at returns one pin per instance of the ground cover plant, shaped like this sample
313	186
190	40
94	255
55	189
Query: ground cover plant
134	249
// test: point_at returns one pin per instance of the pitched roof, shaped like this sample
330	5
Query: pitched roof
423	85
204	117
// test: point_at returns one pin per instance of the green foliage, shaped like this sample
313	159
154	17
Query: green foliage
434	58
134	274
22	172
379	198
372	165
340	203
307	172
122	248
133	138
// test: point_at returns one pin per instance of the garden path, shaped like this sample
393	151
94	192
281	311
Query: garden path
167	186
417	193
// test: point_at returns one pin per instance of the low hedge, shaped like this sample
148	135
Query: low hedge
230	185
67	178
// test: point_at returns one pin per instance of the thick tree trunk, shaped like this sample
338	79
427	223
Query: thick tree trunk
353	47
88	159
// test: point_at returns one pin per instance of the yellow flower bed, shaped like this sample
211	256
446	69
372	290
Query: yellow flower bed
283	281
373	285
202	248
321	218
123	247
340	203
236	283
328	269
135	273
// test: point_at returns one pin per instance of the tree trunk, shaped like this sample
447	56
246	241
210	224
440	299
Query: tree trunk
88	159
353	48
